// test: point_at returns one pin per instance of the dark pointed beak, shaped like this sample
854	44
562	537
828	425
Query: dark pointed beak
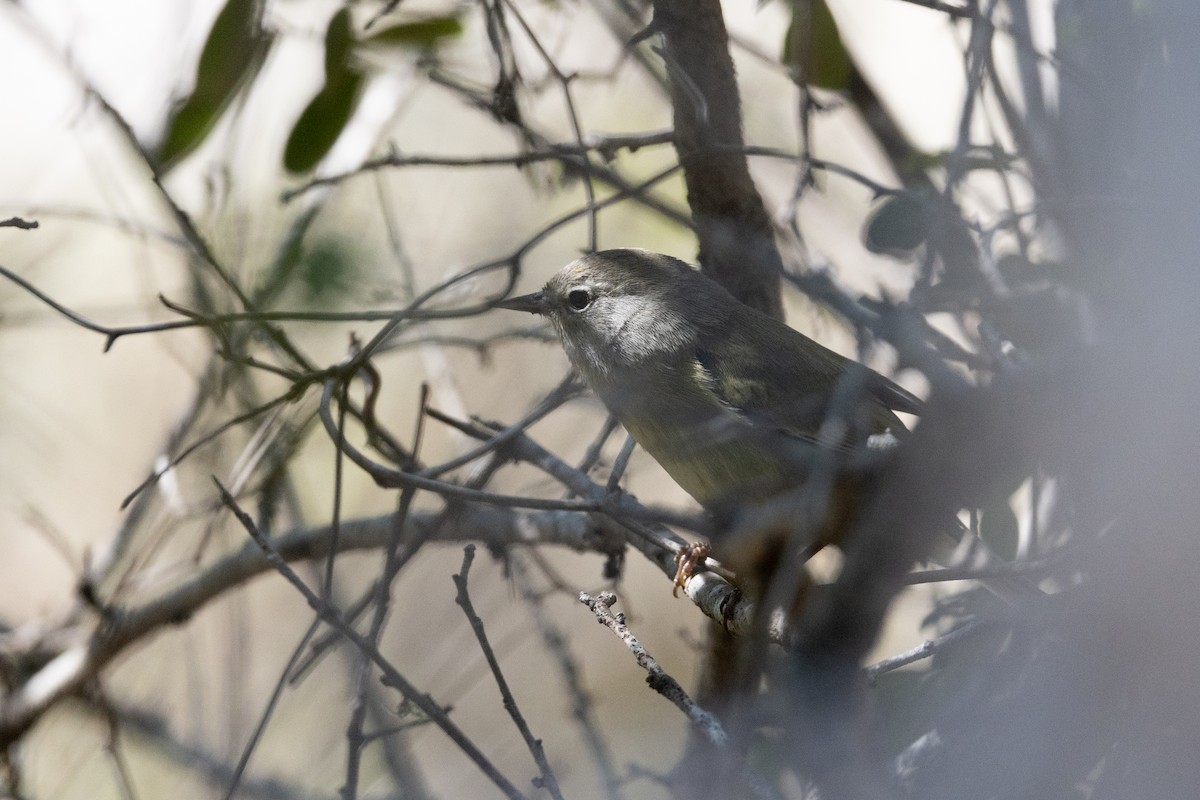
533	303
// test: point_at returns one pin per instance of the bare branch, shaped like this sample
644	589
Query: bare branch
463	598
391	677
18	222
658	678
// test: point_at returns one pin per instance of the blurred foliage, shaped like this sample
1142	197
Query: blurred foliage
896	226
326	115
235	50
1088	226
421	33
998	527
327	270
813	46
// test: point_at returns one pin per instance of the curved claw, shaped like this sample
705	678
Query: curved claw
687	561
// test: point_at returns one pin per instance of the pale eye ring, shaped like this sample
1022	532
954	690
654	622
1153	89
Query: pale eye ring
580	298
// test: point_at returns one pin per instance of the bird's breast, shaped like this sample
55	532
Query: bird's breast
715	454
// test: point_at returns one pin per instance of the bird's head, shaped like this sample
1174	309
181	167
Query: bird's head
623	308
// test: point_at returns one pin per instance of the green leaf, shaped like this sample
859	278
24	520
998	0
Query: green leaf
829	63
322	122
896	227
339	45
818	52
235	32
190	123
327	271
234	51
422	33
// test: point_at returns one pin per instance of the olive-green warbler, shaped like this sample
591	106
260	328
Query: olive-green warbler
734	404
727	399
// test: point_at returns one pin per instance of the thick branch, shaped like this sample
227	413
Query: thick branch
737	243
65	668
966	441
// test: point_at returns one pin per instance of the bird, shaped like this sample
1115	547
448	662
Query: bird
735	405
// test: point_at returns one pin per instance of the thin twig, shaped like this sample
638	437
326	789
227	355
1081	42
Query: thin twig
925	649
391	677
567	388
592	455
18	222
393	478
581	704
394	561
658	678
233	785
463	597
620	463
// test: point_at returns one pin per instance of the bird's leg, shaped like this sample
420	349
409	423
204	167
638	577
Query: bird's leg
686	562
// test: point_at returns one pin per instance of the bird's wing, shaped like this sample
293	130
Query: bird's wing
893	395
761	352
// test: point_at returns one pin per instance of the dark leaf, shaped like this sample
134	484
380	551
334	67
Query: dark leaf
422	33
235	50
817	52
1016	269
326	271
190	123
321	123
896	227
339	45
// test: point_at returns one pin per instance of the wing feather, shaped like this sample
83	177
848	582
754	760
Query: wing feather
801	375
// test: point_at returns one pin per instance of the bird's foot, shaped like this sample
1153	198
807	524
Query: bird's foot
686	562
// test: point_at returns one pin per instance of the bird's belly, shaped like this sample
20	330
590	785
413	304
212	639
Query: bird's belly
716	462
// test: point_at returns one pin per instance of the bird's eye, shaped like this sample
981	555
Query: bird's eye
579	299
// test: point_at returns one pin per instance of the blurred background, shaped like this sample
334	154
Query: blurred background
329	158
